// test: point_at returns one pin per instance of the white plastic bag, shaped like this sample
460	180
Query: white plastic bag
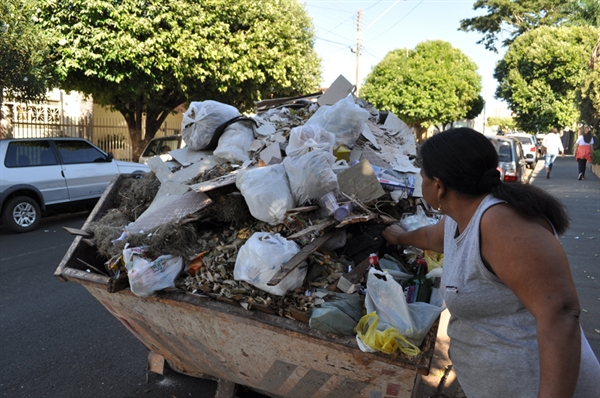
260	258
148	276
308	138
386	297
410	222
311	175
234	144
344	119
201	119
267	192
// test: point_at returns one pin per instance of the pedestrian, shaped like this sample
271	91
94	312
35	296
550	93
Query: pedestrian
514	312
583	149
552	147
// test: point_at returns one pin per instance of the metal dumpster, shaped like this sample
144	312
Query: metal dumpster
273	355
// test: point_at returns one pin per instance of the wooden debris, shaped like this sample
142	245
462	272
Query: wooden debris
312	229
77	232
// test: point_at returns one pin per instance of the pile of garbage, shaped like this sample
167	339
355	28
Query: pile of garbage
282	212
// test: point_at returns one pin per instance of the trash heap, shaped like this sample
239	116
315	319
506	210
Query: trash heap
282	212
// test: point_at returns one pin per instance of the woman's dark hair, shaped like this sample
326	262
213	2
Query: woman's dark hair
466	161
587	136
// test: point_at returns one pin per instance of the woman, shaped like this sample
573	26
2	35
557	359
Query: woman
514	324
583	149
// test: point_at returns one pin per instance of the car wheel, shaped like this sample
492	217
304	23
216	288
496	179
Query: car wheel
21	214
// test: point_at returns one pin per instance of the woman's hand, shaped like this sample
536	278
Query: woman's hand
392	234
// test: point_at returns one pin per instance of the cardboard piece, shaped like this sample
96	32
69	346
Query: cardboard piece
160	169
191	171
218	182
271	154
266	129
187	156
186	204
368	134
339	89
360	182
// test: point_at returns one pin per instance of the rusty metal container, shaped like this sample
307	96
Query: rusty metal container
273	355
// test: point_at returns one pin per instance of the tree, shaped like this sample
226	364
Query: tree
24	59
588	97
583	13
505	123
540	74
433	84
514	17
144	58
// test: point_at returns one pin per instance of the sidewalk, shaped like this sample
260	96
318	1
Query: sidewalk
582	245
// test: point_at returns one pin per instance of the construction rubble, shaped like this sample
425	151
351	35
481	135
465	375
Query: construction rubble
282	212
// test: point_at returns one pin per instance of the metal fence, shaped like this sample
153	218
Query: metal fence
43	120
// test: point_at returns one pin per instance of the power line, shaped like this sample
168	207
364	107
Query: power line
397	22
335	42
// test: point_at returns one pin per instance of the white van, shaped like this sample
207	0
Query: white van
161	146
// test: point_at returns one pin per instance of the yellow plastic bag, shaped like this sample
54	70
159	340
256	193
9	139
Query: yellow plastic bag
434	259
388	341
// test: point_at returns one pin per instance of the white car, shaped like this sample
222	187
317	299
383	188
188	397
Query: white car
530	148
40	172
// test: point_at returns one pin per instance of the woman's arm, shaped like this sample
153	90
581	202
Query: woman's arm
530	260
430	237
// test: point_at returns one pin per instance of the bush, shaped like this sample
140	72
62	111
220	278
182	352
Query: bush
596	157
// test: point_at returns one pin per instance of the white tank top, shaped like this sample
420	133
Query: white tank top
493	345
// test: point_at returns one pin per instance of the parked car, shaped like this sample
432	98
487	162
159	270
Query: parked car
48	172
529	145
161	146
511	162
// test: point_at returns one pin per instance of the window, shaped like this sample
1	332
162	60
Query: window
76	151
29	153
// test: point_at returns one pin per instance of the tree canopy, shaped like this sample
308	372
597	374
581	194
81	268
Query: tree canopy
24	58
541	73
144	58
505	123
433	84
512	18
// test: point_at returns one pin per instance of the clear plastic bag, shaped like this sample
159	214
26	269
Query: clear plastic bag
234	144
306	138
310	175
262	256
202	119
344	119
267	192
410	222
149	276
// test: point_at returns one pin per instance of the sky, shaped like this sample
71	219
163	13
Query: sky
391	24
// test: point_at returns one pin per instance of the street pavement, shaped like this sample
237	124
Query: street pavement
582	245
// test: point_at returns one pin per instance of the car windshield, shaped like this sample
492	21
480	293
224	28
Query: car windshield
161	146
504	150
525	140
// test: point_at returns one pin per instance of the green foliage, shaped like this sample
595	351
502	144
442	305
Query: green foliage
596	157
147	57
583	13
23	52
433	84
514	17
505	123
540	73
588	97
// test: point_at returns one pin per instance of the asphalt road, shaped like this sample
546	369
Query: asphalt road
56	340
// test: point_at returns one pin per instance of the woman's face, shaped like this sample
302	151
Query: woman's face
428	188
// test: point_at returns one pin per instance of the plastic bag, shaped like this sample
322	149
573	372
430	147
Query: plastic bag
262	256
234	144
344	119
386	297
340	314
267	192
388	341
410	222
304	139
148	276
310	175
434	260
202	119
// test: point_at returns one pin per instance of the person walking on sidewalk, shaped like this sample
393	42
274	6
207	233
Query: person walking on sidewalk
514	311
552	148
583	149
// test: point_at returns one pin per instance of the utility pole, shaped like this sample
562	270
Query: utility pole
358	23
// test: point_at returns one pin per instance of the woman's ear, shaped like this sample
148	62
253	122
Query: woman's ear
441	189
